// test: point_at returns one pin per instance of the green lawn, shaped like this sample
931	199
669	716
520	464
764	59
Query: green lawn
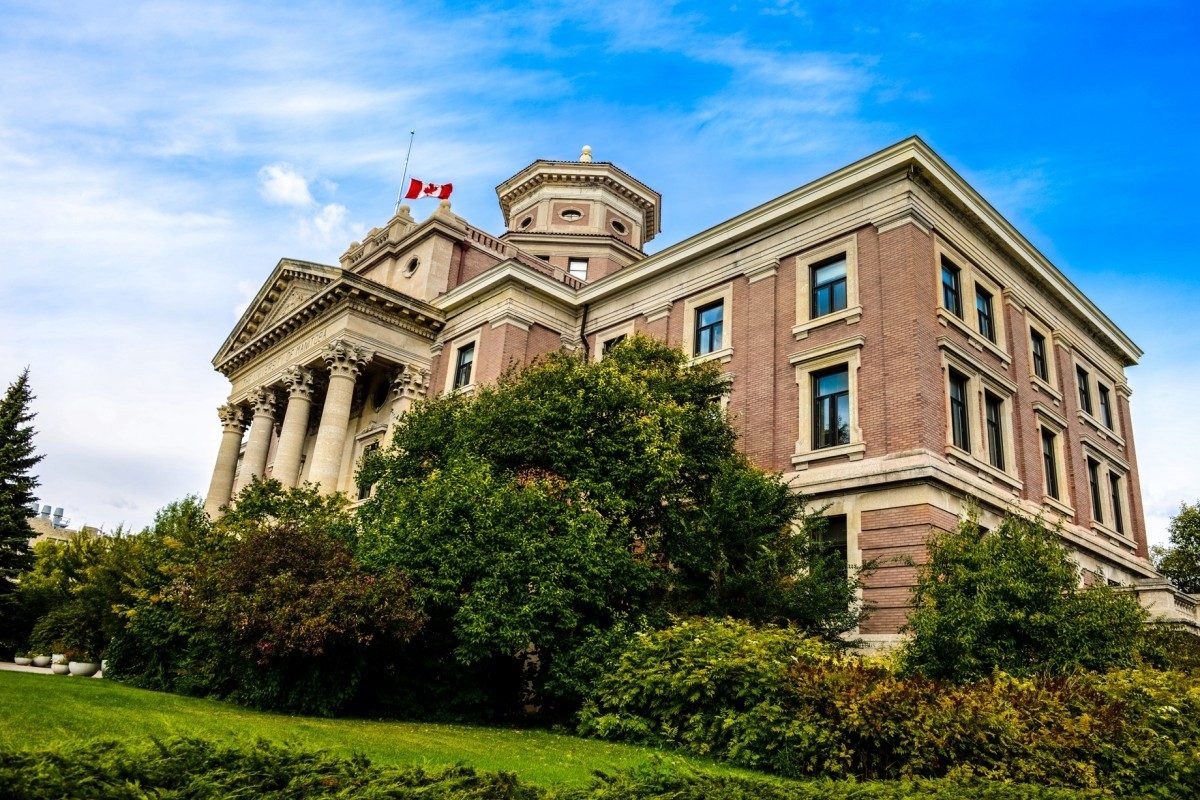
37	710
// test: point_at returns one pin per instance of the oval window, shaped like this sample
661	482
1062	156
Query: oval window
571	214
413	263
619	227
525	223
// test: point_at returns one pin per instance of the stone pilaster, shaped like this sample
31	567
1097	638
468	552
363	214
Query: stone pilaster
299	383
220	489
345	362
408	387
254	461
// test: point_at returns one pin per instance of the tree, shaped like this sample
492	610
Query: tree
542	519
1180	562
17	458
1009	599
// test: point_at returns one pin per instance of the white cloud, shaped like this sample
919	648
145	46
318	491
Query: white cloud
282	185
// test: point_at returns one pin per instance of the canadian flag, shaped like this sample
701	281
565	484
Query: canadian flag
418	189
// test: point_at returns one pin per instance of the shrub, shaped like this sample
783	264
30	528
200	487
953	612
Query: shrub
769	699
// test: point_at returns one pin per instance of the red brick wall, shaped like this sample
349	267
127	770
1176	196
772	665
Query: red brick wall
895	539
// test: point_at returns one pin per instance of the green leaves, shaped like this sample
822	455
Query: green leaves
1180	561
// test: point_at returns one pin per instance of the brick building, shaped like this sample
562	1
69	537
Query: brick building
891	343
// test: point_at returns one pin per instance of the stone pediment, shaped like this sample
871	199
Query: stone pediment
290	286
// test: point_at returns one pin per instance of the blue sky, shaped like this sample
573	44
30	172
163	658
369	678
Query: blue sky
157	159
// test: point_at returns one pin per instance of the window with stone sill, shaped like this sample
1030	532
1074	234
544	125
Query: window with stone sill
1084	382
827	285
1039	355
1051	463
464	363
979	402
967	299
708	325
710	321
1108	486
827	378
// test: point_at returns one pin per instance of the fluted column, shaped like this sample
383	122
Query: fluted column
295	426
254	461
407	387
220	488
345	362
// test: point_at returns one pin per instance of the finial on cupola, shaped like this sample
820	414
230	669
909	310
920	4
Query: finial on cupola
586	155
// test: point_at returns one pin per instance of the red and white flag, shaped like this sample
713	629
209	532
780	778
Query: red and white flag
418	189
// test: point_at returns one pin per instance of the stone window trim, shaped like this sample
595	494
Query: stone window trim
365	442
625	329
1096	378
847	352
971	277
1049	420
852	313
1110	467
982	380
1048	386
691	305
453	347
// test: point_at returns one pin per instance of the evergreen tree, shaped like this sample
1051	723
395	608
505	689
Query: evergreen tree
16	481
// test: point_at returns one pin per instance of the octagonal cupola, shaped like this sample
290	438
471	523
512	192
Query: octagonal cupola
585	216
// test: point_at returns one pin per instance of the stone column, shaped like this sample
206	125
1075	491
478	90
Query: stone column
254	461
345	362
220	489
295	426
407	388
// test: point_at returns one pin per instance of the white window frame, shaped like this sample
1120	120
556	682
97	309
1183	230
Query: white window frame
970	276
454	346
848	352
1047	418
981	379
852	313
724	353
1108	465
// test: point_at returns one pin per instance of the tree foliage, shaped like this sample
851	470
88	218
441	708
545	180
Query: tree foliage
1180	561
574	500
1009	599
17	459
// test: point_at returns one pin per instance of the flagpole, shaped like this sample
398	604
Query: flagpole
404	177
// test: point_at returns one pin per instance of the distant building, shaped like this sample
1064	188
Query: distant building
48	524
891	342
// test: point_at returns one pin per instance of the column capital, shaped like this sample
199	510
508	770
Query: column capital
299	382
233	417
263	402
345	358
410	384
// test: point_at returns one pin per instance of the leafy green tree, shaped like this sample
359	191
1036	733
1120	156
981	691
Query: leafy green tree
17	459
1180	561
1009	599
545	517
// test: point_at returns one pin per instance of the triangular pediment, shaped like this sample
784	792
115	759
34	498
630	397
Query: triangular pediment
291	285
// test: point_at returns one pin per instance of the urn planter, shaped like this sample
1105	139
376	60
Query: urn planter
83	669
41	661
59	669
21	661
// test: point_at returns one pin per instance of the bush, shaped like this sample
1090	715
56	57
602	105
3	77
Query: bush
201	770
769	699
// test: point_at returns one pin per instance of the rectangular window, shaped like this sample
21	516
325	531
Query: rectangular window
983	305
960	430
1114	488
831	407
462	367
709	327
829	286
1093	467
995	429
1050	463
609	344
364	489
951	291
578	268
831	539
1106	415
1041	367
1085	389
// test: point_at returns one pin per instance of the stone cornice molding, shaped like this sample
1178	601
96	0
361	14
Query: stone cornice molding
233	417
592	173
299	382
345	358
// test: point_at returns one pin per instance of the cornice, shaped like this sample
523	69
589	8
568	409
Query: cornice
499	275
566	173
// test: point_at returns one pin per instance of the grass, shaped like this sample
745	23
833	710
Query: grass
38	710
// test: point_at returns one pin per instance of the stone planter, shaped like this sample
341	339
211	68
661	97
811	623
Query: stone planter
83	669
58	658
21	661
59	669
40	661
